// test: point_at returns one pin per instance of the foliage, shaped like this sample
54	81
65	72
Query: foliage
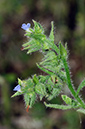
55	65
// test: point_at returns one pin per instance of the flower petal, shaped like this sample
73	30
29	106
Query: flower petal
25	27
17	88
28	25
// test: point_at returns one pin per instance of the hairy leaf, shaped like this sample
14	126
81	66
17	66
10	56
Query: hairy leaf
52	33
57	106
81	110
80	87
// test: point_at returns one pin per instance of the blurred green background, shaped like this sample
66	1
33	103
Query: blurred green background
69	21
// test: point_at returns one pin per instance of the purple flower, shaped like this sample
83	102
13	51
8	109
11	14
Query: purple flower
26	26
17	88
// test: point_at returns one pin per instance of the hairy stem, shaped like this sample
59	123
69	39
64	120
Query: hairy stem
70	86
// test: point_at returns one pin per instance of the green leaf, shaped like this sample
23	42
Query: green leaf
45	70
32	50
49	57
57	106
52	33
32	46
70	85
63	52
66	99
80	87
69	101
81	111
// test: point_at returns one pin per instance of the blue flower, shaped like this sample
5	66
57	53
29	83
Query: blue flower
26	27
17	88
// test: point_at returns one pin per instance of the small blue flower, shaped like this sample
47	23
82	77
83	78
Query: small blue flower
17	88
26	27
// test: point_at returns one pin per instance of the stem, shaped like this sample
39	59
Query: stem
70	86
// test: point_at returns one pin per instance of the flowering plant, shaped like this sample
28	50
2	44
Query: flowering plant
54	64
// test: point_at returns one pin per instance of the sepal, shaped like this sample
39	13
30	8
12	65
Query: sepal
16	94
55	92
29	99
40	89
37	27
32	98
